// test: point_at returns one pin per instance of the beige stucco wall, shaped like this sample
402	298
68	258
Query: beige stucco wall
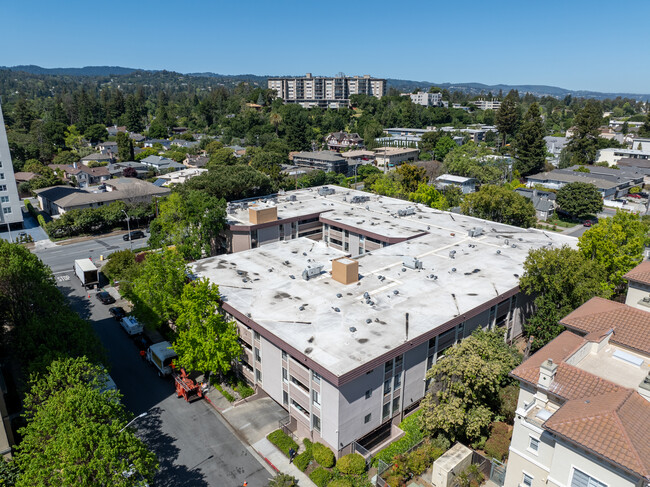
635	293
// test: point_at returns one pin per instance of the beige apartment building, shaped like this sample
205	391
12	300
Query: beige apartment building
345	299
583	415
327	92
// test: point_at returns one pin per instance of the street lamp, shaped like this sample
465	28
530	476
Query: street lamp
128	226
132	421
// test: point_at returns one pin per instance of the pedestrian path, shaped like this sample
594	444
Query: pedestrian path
280	462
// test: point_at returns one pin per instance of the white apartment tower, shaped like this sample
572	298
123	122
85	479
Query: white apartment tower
10	210
310	91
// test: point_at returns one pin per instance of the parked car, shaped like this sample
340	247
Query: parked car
134	235
117	313
105	297
587	223
635	195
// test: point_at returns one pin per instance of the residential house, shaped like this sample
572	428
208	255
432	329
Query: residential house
196	161
136	137
358	367
237	150
610	186
583	414
390	157
114	130
116	170
24	177
108	146
97	157
185	144
638	286
554	146
161	164
178	177
642	166
166	144
82	176
612	156
59	199
466	185
543	201
324	160
338	141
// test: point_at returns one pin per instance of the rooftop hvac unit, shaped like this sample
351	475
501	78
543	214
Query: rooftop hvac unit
412	263
312	270
452	254
324	191
292	197
409	210
476	232
359	199
646	299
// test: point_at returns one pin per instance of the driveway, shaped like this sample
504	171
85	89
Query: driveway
194	445
30	226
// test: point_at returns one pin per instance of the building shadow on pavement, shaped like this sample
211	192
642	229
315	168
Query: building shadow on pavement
170	474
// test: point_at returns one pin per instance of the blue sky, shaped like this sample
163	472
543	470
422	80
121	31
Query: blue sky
575	44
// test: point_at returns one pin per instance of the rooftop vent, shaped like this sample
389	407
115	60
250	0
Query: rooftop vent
312	270
452	254
498	251
325	190
353	329
412	263
409	210
292	197
360	199
475	232
368	320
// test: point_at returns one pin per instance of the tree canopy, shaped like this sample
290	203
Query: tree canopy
501	205
530	147
463	396
579	199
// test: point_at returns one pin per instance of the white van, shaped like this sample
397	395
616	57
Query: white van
131	325
161	356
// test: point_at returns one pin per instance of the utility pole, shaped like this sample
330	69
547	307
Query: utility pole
128	226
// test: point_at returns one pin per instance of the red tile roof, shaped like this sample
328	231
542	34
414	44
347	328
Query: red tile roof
631	325
640	273
614	425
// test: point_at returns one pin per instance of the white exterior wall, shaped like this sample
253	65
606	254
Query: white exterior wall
8	188
635	294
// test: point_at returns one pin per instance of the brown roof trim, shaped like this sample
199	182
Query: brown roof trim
277	222
381	238
361	370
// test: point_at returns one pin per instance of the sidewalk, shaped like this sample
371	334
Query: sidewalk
252	421
280	462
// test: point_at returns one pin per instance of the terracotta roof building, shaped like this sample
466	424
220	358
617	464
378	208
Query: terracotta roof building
583	416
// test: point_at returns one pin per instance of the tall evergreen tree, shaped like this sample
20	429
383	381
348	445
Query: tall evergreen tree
530	148
124	147
644	130
507	116
583	145
133	116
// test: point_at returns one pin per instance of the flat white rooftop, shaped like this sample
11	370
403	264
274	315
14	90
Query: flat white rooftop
334	324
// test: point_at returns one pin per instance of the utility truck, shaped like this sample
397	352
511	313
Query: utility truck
87	272
161	355
131	325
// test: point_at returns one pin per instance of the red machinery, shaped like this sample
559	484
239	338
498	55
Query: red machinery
186	386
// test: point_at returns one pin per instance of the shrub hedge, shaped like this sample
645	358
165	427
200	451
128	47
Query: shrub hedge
340	483
320	476
302	461
499	442
352	464
282	441
323	455
411	426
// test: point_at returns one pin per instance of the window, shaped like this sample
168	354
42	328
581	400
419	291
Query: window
6	211
432	343
2	175
300	408
533	444
398	381
385	411
315	377
389	366
527	480
4	199
284	355
257	354
398	360
315	398
3	187
367	418
368	393
395	405
258	375
315	421
285	375
285	398
581	479
256	335
387	387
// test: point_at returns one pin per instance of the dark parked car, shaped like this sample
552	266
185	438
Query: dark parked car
135	234
105	298
117	313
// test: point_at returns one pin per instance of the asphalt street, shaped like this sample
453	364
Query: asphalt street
60	257
193	444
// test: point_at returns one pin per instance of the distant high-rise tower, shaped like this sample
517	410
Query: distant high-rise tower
311	91
10	209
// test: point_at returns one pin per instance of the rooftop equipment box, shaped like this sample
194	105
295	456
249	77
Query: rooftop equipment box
345	270
262	214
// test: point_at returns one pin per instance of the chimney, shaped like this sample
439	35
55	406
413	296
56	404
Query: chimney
546	374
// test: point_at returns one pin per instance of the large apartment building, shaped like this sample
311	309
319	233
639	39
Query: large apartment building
11	214
345	299
311	91
583	415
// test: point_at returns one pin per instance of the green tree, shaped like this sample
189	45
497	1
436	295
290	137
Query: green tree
204	341
530	147
231	183
410	176
430	196
121	266
583	144
149	151
222	157
470	160
429	140
75	431
387	186
507	116
443	147
463	396
560	280
500	205
155	291
644	130
283	480
192	222
133	114
124	147
579	199
453	194
73	138
157	129
616	244
269	163
96	133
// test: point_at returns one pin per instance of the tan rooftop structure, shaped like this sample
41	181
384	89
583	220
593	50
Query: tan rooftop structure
356	295
583	415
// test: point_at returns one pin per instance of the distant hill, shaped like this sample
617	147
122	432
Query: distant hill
400	84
